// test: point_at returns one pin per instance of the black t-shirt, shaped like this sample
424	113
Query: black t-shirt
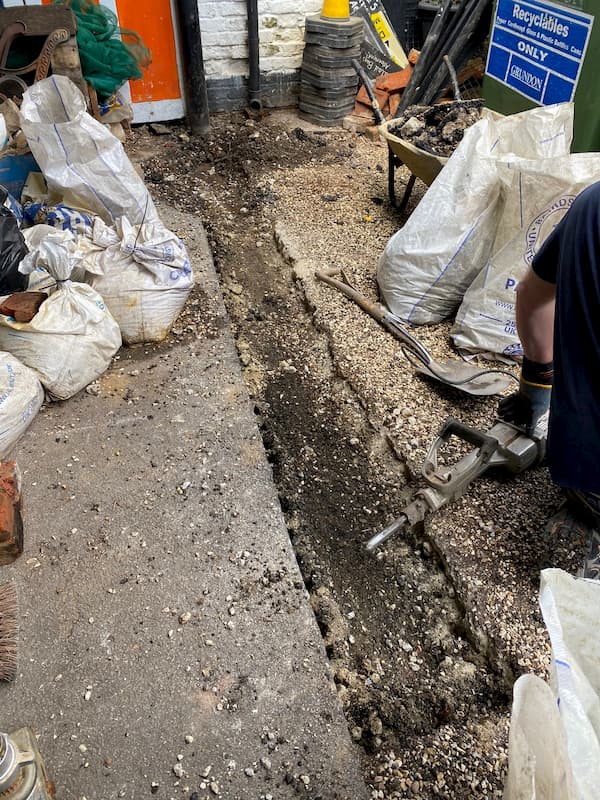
570	258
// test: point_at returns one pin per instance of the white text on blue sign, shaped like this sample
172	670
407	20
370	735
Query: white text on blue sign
537	48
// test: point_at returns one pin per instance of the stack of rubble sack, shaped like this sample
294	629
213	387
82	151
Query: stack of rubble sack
92	267
554	741
506	186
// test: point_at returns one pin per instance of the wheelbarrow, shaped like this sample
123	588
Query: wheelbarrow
421	164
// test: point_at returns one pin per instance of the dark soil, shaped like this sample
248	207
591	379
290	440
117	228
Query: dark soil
437	129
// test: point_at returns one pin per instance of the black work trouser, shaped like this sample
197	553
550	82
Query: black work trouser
586	505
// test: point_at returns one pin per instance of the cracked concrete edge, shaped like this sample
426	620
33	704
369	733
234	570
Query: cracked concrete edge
343	756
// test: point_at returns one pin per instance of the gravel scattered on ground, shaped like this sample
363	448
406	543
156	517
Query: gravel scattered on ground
426	637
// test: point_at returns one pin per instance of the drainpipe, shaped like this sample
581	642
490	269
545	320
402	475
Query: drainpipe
193	66
254	92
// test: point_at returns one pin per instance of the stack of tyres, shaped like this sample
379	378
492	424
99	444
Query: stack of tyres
328	82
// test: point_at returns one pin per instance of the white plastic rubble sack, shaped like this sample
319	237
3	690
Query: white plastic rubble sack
71	340
430	262
538	194
21	397
538	759
571	609
143	274
64	245
85	166
3	133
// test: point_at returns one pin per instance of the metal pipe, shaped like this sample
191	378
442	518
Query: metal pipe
463	31
369	90
254	90
453	78
193	66
422	65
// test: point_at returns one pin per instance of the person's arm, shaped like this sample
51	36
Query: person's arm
535	317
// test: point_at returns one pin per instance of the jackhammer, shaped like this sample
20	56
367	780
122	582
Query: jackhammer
504	445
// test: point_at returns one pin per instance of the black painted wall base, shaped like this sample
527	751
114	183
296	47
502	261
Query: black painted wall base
278	90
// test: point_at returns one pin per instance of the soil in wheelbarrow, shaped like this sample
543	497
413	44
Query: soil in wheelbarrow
437	129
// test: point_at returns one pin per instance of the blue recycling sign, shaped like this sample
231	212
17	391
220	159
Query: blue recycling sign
537	48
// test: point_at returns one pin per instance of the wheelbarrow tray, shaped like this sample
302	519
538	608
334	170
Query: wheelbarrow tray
422	164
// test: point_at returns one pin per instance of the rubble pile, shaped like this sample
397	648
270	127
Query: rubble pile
437	129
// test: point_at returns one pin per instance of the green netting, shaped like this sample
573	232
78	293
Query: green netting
109	55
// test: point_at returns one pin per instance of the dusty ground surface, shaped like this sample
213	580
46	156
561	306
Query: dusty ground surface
175	654
426	637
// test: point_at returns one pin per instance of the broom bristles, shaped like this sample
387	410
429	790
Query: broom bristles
9	628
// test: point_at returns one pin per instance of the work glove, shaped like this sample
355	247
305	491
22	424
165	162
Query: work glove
529	408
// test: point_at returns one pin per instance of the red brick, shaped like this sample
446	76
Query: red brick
394	81
22	306
394	103
413	56
381	95
362	96
11	521
362	110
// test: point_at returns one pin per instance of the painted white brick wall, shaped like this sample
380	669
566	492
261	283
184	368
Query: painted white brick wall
280	31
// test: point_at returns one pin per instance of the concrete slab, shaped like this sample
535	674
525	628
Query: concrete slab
167	647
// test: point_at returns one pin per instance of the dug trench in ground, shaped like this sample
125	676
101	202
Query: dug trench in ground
396	637
426	687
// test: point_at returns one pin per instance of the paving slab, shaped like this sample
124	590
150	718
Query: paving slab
167	647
